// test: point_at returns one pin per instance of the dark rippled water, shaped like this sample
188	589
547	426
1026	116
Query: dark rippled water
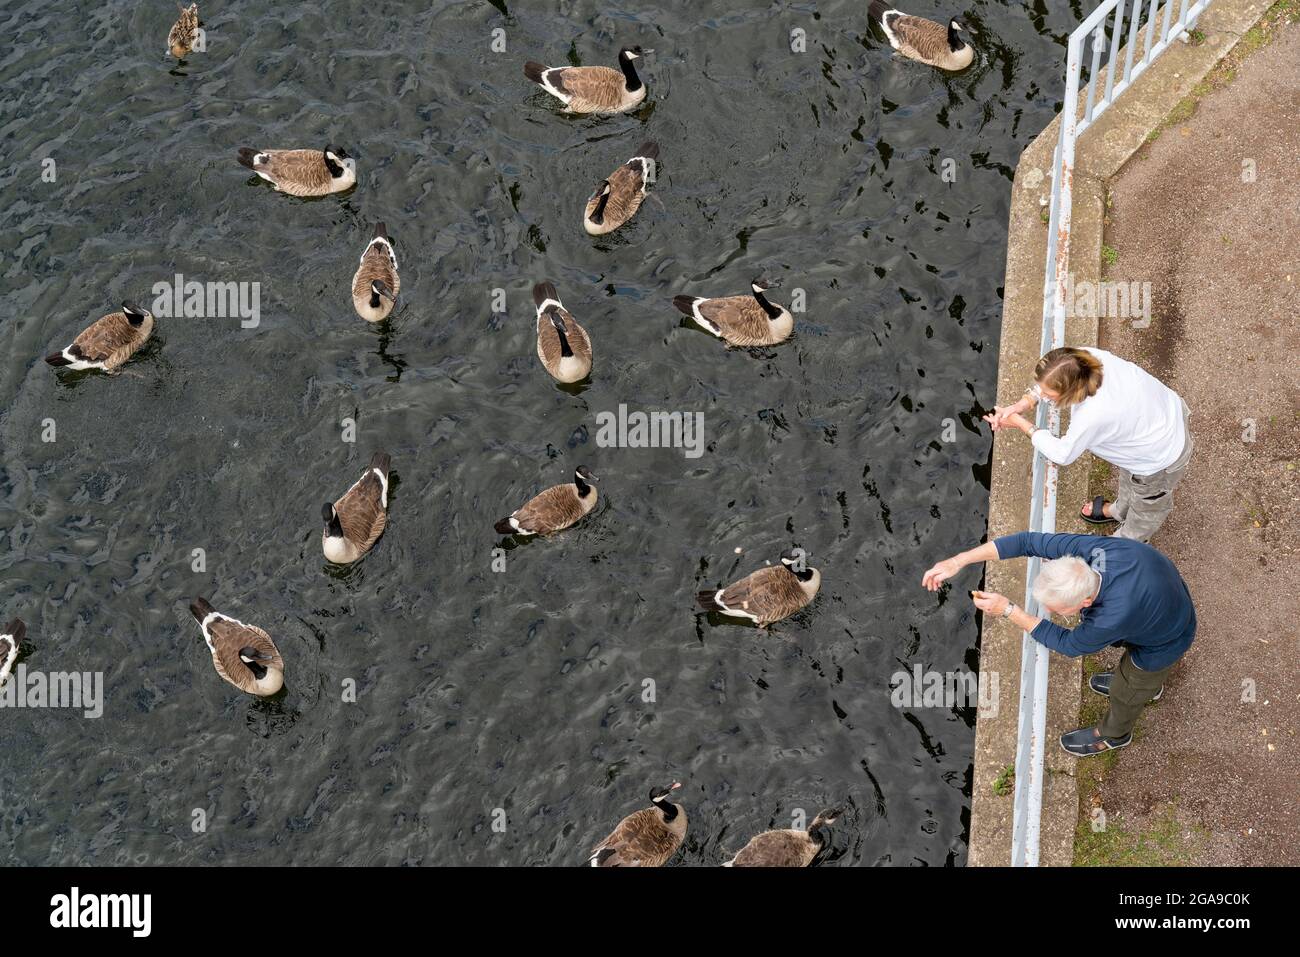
477	690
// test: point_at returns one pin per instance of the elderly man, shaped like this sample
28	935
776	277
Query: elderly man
1125	593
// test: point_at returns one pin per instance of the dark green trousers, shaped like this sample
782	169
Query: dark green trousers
1130	690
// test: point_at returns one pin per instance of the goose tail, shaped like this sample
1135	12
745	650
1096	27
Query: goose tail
686	305
708	600
247	157
200	609
544	291
17	630
534	71
877	10
58	359
381	461
504	527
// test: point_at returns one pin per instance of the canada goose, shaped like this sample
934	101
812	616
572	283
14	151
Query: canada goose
617	199
741	320
787	848
243	654
644	838
180	41
376	283
592	89
355	522
10	639
563	346
107	342
554	509
302	172
769	594
924	40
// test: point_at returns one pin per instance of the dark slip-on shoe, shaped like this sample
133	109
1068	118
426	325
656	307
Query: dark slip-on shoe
1086	742
1100	683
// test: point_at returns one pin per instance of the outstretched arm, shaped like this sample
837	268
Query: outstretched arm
949	567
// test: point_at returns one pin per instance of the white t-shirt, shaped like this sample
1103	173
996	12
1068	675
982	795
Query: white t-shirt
1134	421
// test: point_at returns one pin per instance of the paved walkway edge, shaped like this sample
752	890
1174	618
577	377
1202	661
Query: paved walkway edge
1100	152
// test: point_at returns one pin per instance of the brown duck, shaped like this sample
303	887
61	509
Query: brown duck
563	346
593	89
769	594
788	847
108	342
741	320
617	198
354	523
924	40
302	172
645	838
554	509
184	32
376	284
243	654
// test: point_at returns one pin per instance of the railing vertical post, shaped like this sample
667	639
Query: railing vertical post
1116	36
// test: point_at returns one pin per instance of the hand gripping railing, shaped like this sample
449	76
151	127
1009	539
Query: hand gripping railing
1105	28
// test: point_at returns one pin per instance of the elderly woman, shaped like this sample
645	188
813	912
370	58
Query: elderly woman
1119	413
1124	592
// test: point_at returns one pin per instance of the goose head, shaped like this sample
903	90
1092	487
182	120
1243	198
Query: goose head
584	476
134	314
762	284
955	30
334	157
328	514
269	679
628	54
795	559
380	288
659	796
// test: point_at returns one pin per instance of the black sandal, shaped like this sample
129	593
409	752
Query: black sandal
1098	516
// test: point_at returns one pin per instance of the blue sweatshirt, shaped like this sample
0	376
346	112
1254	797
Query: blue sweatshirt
1143	600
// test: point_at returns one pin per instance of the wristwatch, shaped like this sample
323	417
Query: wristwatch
1011	606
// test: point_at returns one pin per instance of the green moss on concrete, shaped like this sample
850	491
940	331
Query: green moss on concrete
1165	842
1006	781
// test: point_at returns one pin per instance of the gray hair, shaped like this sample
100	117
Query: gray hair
1065	582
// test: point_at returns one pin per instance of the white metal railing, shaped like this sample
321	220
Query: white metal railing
1105	27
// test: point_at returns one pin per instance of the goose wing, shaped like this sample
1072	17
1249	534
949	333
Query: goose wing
227	638
377	262
642	839
107	337
551	510
786	848
294	170
740	319
626	193
186	28
548	339
363	510
591	88
769	594
918	37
